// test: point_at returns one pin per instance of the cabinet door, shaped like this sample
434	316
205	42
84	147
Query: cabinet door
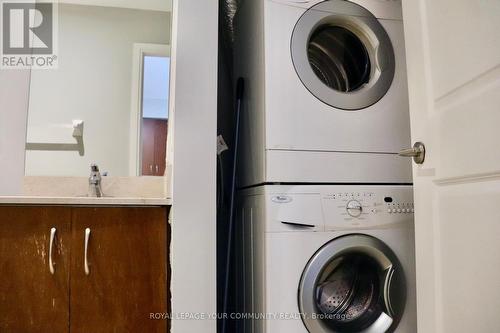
161	133
32	299
148	147
127	270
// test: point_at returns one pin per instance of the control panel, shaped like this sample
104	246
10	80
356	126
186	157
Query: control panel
336	207
367	207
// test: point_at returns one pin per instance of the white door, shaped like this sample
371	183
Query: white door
453	50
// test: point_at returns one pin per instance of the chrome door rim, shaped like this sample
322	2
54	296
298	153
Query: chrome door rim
368	29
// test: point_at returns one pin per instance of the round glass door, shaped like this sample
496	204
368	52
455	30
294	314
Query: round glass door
339	58
353	284
343	55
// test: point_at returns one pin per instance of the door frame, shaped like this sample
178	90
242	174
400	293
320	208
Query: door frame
192	162
140	50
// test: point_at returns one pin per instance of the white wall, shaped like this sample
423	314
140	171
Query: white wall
14	89
163	5
156	87
92	83
194	105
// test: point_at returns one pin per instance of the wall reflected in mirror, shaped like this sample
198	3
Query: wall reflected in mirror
107	102
154	114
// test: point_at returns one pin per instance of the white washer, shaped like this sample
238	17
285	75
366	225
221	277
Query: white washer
326	98
295	240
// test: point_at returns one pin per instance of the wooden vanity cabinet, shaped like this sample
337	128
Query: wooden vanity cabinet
127	276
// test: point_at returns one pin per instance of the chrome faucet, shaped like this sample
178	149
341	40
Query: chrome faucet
95	182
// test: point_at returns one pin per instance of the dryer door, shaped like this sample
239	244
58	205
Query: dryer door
354	283
343	55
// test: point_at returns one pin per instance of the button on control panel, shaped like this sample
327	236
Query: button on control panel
400	208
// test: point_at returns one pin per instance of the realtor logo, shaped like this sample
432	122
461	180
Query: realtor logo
28	35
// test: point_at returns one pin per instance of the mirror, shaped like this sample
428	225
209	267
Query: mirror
106	101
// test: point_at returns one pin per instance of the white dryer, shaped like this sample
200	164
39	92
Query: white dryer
327	97
327	259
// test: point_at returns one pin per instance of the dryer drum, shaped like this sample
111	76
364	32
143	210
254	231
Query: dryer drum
339	58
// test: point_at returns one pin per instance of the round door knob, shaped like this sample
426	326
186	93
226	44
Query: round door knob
354	208
417	153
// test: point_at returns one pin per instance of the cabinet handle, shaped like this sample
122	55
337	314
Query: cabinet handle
151	168
86	260
157	169
53	232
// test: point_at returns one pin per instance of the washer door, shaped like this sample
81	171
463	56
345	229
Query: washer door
354	283
343	55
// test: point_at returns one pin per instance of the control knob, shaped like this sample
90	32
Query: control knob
354	208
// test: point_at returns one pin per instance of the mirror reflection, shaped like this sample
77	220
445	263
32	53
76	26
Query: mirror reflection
107	101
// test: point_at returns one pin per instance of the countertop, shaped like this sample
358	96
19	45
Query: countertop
71	191
84	201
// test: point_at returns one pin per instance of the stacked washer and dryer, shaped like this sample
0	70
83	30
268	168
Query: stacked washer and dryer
325	232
